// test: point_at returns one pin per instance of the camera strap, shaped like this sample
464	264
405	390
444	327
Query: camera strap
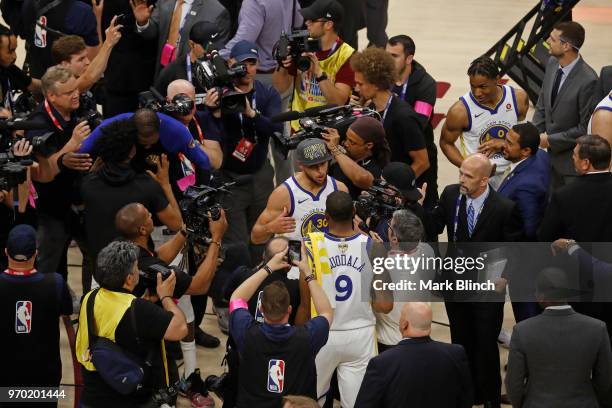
52	116
387	105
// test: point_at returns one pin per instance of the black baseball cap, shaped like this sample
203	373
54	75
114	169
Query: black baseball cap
401	176
328	9
21	242
203	33
312	151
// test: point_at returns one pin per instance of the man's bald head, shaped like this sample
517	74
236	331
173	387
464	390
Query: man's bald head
180	86
474	174
415	319
129	219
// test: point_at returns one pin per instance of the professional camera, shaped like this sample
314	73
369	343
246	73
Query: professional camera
23	106
212	72
219	384
181	104
294	44
148	277
166	397
380	202
315	120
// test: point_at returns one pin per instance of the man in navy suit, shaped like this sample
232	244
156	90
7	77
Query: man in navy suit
410	374
526	183
528	176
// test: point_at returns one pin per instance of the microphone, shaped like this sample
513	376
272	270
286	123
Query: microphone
23	125
293	115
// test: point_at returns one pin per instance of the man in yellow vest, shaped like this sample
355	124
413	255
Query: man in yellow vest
330	78
118	275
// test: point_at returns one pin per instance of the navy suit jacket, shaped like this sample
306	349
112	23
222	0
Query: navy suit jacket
527	185
411	374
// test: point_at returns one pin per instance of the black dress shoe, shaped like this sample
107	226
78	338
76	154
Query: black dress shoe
205	340
491	404
505	400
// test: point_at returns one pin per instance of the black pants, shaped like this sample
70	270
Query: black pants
116	103
476	326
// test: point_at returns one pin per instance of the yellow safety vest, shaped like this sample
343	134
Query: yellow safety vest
109	309
306	91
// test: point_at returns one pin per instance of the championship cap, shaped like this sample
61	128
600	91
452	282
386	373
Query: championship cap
312	151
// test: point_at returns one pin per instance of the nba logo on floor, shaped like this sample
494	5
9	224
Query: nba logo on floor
276	376
23	316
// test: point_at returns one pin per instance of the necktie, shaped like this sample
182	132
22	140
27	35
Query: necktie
470	219
555	89
175	24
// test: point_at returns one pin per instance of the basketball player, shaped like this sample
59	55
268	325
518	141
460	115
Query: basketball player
481	118
352	337
601	121
297	206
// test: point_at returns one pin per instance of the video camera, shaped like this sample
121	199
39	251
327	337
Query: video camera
315	120
13	171
181	104
40	144
294	44
379	203
212	72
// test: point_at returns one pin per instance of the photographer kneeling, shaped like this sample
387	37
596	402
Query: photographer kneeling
134	324
134	222
285	352
362	156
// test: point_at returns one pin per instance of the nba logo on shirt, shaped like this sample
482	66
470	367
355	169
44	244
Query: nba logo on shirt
276	376
23	316
40	34
259	317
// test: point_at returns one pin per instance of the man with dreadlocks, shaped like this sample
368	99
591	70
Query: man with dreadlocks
481	118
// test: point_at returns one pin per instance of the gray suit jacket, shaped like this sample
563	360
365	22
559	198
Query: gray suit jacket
559	359
201	10
603	87
568	118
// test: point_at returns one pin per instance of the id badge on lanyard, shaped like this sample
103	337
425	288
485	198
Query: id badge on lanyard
245	146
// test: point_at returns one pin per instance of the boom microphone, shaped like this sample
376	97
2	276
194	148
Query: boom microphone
293	115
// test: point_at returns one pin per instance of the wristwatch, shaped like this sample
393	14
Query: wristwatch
323	77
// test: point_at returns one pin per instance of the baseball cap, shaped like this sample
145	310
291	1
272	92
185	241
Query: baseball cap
401	176
21	242
244	50
203	33
312	151
328	9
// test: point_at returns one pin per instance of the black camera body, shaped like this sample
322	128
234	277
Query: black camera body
198	201
212	72
148	277
294	44
380	203
337	117
181	104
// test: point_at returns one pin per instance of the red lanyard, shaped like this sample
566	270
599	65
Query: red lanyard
200	135
52	116
199	129
20	273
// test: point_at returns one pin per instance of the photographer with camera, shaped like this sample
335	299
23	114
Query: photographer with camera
199	125
325	76
12	78
134	324
158	134
58	167
285	352
201	37
245	139
114	184
134	223
362	156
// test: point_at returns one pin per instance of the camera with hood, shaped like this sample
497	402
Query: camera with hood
294	44
212	72
379	203
181	104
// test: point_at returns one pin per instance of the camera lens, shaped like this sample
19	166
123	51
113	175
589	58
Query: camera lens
303	63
